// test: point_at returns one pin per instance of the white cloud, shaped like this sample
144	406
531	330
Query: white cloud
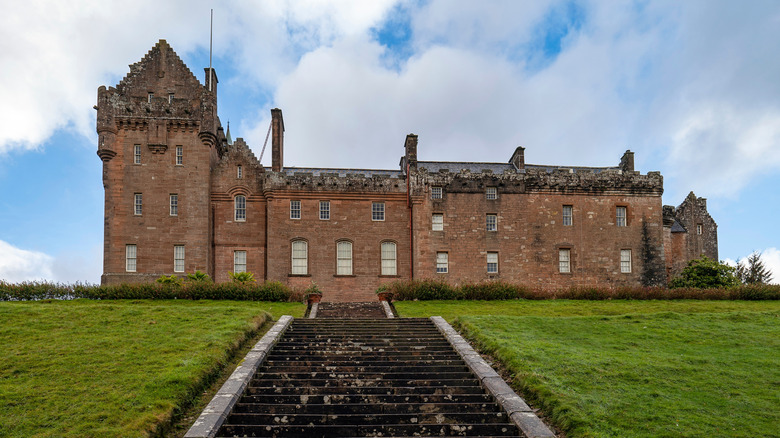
18	265
771	258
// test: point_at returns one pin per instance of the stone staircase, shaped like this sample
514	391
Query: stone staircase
365	378
370	310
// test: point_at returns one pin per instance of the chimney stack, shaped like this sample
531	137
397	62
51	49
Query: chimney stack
627	162
518	158
411	151
277	140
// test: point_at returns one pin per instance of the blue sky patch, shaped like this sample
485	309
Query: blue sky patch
395	34
550	34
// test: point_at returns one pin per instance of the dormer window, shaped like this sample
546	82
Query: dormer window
149	97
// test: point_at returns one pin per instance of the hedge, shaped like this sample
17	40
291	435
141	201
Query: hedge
268	291
495	290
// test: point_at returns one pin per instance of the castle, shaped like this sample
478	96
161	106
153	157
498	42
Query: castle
181	196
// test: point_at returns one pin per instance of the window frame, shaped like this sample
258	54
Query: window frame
131	248
437	192
442	262
304	248
491	193
493	223
137	154
239	172
149	97
440	223
293	210
493	263
173	204
699	229
138	204
621	221
567	219
179	155
564	260
388	265
239	208
626	261
178	258
238	254
324	210
344	258
377	211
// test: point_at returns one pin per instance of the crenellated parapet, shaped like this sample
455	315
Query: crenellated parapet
335	180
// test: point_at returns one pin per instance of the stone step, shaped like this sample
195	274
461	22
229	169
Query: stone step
341	430
379	396
402	407
362	376
359	383
368	369
370	418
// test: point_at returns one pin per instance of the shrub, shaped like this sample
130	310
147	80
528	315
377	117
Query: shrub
169	280
199	276
242	277
706	273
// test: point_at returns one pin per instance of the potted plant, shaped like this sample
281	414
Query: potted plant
313	294
384	294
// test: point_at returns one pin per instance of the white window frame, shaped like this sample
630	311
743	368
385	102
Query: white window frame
564	260
491	222
491	193
239	172
131	258
239	261
344	257
621	216
568	215
178	258
299	256
149	97
138	204
389	257
377	211
437	222
442	262
699	229
170	97
324	210
625	261
179	155
239	204
137	154
295	209
437	192
492	262
174	204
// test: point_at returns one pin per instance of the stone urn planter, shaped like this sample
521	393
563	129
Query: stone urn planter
385	296
313	298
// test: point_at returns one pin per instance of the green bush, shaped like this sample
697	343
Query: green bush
706	273
199	276
242	277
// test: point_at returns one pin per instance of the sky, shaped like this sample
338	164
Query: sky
692	88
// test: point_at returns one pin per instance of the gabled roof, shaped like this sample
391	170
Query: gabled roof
159	62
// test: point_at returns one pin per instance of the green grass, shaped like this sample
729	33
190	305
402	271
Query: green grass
638	369
113	368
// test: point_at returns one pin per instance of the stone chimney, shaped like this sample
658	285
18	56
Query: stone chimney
277	140
627	162
214	80
411	151
518	158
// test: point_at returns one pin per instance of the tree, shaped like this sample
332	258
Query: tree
706	273
752	270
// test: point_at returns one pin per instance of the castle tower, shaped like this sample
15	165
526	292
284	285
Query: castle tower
159	138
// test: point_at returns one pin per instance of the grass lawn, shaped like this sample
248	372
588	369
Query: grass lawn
114	368
635	368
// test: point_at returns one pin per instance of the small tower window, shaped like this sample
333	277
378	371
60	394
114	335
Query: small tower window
149	97
239	172
170	97
179	155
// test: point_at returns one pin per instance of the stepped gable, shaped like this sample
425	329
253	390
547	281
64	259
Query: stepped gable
160	61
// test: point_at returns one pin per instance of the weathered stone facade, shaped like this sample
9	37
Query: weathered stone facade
181	196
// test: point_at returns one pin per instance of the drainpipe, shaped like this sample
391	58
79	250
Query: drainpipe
411	230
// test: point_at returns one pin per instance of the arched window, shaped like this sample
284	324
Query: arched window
300	257
240	208
344	258
388	258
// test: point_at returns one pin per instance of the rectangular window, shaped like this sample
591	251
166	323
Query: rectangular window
377	211
625	261
139	204
130	258
564	260
149	97
437	222
239	172
239	261
442	263
324	210
170	97
491	222
620	216
344	258
388	258
491	193
698	229
179	155
178	258
567	215
436	192
174	205
300	257
295	209
240	204
492	263
137	154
